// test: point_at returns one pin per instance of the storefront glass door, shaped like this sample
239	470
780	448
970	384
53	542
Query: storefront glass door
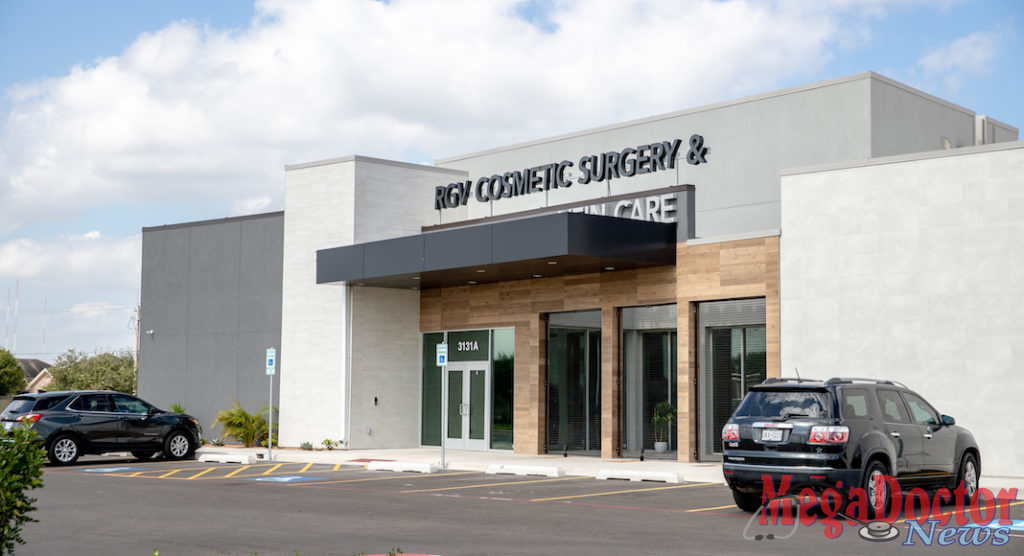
468	406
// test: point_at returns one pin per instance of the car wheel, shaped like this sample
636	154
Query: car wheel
142	454
745	501
177	445
64	450
876	469
968	475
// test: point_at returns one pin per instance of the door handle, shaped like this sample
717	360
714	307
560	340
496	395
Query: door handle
927	435
894	434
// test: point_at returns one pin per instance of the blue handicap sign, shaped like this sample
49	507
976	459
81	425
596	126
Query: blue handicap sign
284	479
441	359
112	469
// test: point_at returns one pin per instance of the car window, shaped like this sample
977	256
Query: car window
920	411
19	405
92	402
892	406
128	404
49	403
855	403
780	403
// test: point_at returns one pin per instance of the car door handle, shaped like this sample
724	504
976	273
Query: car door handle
927	435
894	434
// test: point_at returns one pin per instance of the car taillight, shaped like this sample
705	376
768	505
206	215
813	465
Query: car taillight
30	417
829	435
731	432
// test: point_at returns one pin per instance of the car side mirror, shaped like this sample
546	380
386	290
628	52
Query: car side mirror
948	421
152	411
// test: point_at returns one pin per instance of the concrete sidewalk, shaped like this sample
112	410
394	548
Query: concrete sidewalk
480	461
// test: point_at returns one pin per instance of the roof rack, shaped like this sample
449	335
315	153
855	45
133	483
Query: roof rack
849	380
798	380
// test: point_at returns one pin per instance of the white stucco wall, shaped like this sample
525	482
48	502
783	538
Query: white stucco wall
334	203
912	268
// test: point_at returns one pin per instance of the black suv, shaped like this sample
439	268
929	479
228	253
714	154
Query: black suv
843	429
70	424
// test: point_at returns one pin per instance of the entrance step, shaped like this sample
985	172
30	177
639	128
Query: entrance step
627	475
402	467
525	470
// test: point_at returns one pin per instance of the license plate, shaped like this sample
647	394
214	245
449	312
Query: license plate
771	435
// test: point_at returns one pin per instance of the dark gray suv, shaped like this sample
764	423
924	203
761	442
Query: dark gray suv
70	424
843	429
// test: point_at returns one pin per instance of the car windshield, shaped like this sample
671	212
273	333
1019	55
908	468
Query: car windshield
784	404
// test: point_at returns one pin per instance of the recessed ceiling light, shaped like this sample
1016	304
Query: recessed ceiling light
414	288
472	282
609	268
480	270
416	278
552	262
536	275
359	284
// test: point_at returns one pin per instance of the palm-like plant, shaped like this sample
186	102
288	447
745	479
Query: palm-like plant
245	427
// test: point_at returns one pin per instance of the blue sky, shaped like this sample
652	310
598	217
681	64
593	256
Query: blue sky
122	114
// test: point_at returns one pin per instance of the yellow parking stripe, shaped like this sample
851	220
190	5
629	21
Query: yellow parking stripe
169	473
237	471
715	508
308	465
336	466
201	473
619	492
272	469
512	483
385	478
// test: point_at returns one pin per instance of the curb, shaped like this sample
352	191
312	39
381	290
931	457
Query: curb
636	476
399	466
525	470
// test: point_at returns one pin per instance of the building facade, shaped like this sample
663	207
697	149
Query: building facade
579	281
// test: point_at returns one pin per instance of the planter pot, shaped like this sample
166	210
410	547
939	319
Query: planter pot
661	447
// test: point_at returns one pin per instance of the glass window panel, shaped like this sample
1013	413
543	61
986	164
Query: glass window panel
430	407
920	411
477	391
892	407
502	388
454	404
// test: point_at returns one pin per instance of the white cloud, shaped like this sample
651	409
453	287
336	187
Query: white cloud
962	58
190	114
97	309
250	206
58	263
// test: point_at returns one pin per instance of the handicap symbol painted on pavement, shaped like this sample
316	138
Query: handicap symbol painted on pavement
112	469
284	479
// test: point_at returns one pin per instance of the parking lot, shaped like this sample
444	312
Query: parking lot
121	506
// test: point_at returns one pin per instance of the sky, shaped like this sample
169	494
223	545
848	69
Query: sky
121	114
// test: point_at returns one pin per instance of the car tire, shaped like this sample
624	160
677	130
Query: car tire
142	455
968	474
64	450
746	501
178	445
874	468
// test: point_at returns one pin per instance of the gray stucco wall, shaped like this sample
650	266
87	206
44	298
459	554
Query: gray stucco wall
751	141
211	294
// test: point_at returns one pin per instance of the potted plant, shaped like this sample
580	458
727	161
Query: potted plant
664	415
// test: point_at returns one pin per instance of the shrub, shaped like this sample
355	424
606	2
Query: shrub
306	446
21	469
177	408
249	429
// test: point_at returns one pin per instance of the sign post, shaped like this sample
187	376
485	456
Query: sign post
442	361
271	366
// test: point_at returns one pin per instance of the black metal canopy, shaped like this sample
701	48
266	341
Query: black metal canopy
540	246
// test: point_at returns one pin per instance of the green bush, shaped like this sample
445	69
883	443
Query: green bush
245	427
21	469
306	446
75	370
177	408
12	376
